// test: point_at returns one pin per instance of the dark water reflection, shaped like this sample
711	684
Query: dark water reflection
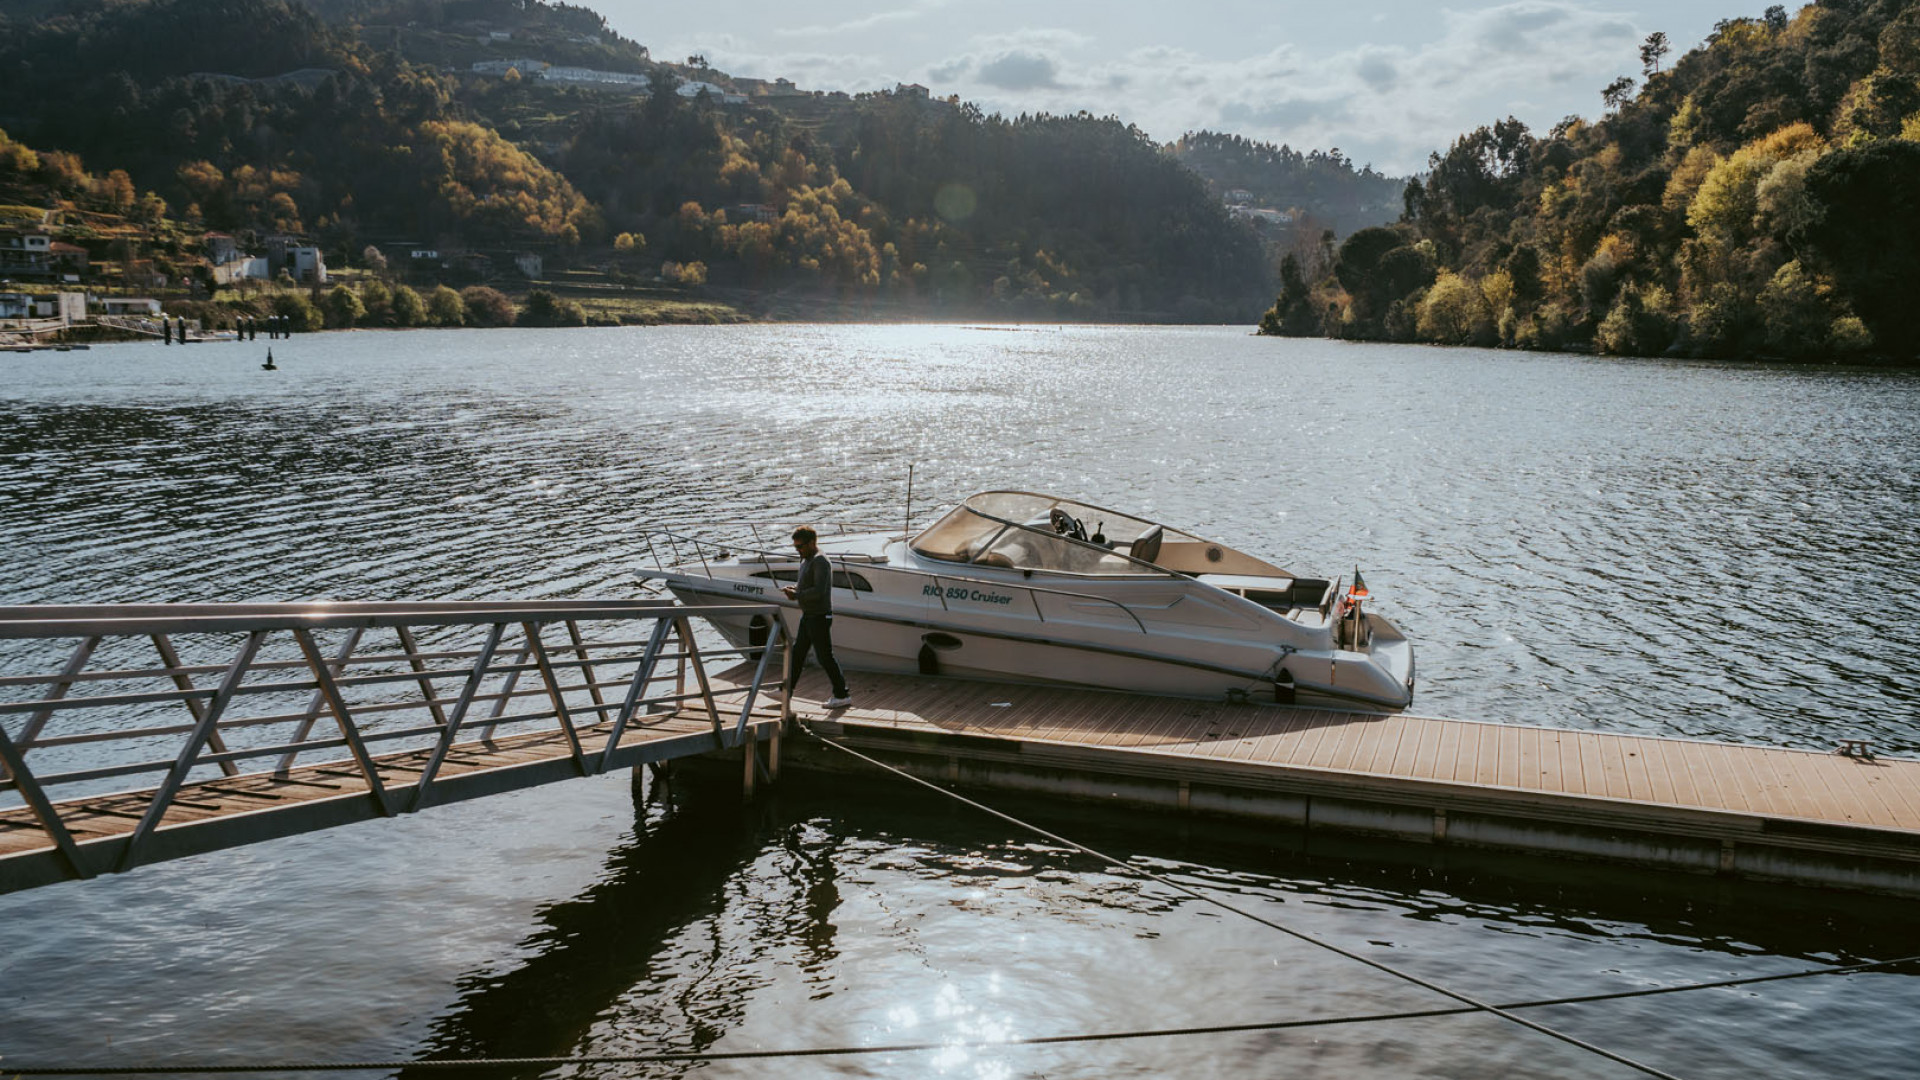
1712	551
829	916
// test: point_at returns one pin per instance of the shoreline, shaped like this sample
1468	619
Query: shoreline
110	336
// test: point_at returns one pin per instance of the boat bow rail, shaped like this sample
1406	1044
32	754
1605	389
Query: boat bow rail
670	550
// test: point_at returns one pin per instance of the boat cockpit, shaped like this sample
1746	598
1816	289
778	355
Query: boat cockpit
1021	531
1036	533
1031	532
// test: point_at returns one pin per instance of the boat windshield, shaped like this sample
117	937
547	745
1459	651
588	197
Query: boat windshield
1025	531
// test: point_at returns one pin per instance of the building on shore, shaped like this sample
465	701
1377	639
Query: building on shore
129	305
68	307
25	254
302	261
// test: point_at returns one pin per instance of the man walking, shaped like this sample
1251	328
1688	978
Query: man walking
814	591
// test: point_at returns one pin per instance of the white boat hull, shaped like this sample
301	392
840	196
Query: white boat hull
1015	586
889	642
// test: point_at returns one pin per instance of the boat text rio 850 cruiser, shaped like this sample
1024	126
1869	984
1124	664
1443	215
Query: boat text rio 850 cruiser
1020	586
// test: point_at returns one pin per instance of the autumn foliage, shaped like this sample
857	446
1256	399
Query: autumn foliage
1759	197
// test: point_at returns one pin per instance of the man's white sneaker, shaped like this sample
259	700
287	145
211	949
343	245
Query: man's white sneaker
840	702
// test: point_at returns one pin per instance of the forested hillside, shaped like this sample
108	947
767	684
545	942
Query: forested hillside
1322	185
1759	196
362	122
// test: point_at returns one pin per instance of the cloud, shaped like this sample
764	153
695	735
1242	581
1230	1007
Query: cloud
1019	71
1378	70
1392	105
1022	61
1388	100
1511	28
869	22
1283	115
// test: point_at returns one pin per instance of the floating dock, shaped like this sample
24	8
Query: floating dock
1822	819
256	721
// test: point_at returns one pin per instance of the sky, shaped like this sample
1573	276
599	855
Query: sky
1386	81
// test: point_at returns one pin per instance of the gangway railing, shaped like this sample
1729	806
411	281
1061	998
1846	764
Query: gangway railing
235	710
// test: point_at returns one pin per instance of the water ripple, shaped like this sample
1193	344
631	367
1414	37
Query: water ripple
1717	551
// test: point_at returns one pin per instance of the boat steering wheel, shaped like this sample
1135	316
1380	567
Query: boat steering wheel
1066	524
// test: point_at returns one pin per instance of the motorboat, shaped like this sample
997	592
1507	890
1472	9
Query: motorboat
1022	586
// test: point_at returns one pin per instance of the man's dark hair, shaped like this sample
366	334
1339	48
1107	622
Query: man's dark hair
806	533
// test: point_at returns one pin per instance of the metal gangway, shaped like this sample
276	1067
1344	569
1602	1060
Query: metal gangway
248	722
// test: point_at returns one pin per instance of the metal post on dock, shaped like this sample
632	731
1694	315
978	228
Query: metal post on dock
748	756
786	677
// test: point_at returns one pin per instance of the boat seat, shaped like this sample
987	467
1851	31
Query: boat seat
1146	547
1006	556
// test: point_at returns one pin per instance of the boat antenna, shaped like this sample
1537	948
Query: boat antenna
908	529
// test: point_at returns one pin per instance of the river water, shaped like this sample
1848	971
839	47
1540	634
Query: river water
1704	550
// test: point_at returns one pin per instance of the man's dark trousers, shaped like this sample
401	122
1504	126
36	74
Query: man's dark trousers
816	632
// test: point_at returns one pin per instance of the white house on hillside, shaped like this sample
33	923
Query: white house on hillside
694	88
526	67
579	76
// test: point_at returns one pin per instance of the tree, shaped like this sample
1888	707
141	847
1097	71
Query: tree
1617	93
1797	321
298	311
1379	270
407	308
486	307
116	191
1651	52
1360	255
1292	314
283	213
1455	312
445	308
377	299
376	260
689	274
1863	230
149	208
1639	323
545	309
343	307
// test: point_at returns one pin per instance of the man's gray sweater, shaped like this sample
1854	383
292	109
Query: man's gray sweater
814	589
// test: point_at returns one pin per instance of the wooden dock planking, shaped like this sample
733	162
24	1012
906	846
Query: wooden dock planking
1901	800
1446	751
1184	729
1834	803
1637	776
1667	785
1876	802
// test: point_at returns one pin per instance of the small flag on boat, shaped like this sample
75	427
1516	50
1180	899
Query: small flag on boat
1359	590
